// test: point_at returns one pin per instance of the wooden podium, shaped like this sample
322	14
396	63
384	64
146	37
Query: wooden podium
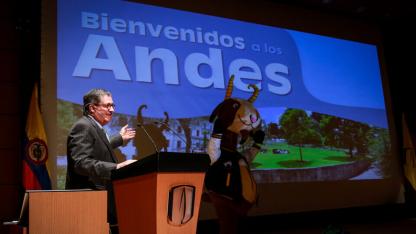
160	193
64	212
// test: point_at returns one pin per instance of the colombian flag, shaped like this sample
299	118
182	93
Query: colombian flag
34	169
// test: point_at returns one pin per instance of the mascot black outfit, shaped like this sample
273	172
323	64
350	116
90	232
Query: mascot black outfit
230	186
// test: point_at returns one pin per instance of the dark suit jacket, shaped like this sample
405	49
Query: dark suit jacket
90	156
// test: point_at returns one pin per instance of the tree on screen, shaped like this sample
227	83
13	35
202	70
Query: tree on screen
68	114
380	150
343	133
298	129
273	131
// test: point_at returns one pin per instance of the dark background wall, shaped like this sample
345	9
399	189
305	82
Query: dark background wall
20	69
9	115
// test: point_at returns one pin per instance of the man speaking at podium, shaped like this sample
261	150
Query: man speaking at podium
90	153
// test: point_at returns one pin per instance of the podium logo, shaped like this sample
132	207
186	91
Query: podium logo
181	204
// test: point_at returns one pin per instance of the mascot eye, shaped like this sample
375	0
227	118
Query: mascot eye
235	105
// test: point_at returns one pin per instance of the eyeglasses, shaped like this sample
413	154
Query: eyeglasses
108	105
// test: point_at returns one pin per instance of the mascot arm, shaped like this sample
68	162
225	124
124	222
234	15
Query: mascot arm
258	138
251	153
214	150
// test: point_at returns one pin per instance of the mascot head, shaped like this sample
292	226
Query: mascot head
234	114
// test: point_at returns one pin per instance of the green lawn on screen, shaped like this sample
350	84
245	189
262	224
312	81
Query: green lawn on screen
312	157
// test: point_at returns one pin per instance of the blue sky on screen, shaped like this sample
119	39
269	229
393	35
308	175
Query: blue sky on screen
340	71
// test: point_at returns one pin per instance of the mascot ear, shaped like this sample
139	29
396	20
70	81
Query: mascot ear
224	114
215	113
225	111
215	117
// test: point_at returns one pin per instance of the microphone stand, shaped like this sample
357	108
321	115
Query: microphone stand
150	138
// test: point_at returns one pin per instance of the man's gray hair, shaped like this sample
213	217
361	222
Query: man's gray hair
94	97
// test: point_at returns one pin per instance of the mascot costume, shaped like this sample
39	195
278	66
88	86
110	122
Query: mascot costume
230	185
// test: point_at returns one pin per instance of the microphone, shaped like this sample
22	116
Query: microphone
172	131
149	137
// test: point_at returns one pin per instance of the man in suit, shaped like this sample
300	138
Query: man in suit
90	153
